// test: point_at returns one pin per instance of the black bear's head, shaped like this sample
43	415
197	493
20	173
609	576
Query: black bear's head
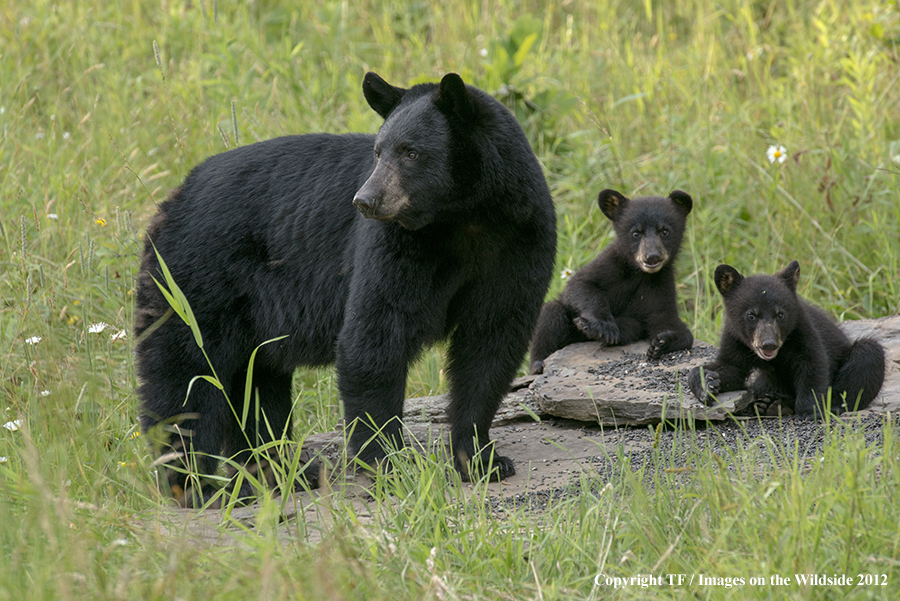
760	310
412	175
649	229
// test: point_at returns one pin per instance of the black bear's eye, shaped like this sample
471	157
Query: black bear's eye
635	234
780	315
664	232
412	155
377	154
751	317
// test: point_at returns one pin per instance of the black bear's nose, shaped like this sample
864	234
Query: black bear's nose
365	204
769	345
652	258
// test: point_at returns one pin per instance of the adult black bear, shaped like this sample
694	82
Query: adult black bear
795	349
627	292
363	250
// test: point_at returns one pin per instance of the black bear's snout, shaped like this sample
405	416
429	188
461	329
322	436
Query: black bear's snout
365	204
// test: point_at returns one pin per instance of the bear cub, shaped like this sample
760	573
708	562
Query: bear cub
627	292
794	350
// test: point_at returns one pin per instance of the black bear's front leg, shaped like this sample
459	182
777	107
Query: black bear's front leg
716	377
390	315
372	381
479	375
485	351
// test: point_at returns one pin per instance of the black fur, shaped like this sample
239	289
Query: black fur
794	349
628	291
265	241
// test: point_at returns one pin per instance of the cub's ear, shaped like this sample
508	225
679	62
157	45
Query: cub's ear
381	96
682	200
790	275
611	203
727	279
452	98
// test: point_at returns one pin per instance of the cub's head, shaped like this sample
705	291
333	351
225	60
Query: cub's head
761	310
648	229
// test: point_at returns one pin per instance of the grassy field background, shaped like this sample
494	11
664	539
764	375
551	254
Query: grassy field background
105	107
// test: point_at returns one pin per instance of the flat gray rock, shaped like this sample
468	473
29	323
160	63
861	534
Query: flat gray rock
616	386
619	386
887	331
519	405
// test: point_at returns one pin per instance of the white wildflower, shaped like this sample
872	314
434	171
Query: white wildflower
33	340
96	328
45	393
566	273
120	335
776	152
52	216
13	426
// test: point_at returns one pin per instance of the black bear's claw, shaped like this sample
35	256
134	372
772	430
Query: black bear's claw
660	344
606	332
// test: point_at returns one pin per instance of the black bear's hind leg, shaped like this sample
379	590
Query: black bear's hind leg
555	330
186	438
268	420
860	377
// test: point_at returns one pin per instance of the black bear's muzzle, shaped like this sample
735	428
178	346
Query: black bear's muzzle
766	340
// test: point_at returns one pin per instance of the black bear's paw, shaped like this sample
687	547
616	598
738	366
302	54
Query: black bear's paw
807	407
537	368
196	493
309	477
661	344
605	331
703	393
472	470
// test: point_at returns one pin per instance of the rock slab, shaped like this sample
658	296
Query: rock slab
617	386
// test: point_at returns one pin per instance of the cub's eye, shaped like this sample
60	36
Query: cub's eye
635	234
412	155
377	154
664	232
780	315
751	317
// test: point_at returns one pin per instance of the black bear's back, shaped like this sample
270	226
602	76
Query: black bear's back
255	225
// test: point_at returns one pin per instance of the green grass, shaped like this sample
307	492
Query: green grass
96	126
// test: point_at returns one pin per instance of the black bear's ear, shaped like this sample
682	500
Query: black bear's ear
452	98
611	203
381	96
727	279
790	275
683	200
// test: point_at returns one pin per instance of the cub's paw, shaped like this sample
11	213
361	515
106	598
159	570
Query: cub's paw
661	344
696	384
605	331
